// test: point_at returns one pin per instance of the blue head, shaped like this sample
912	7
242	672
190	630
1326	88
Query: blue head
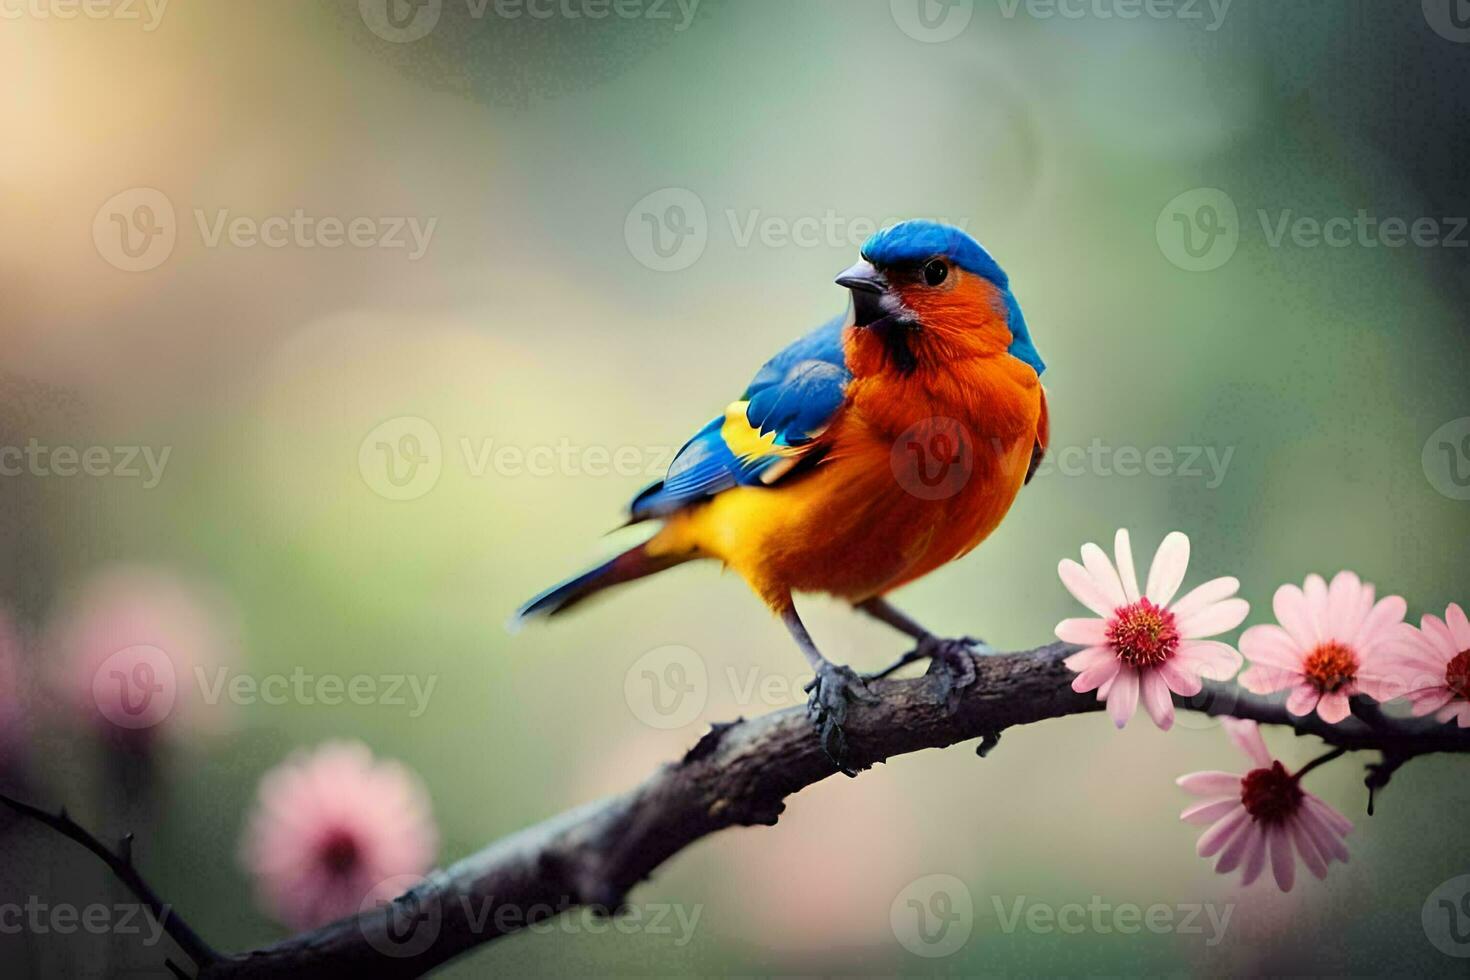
907	265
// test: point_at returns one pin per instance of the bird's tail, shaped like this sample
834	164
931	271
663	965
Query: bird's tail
635	563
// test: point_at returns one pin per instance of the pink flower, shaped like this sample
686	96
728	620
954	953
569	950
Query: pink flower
1326	646
1263	816
135	650
334	829
1430	666
12	695
1143	646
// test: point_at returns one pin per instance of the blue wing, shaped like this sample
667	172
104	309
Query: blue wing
763	436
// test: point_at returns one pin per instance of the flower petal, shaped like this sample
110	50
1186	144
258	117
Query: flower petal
1379	623
1209	658
1083	632
1157	700
1123	696
1212	620
1290	606
1315	591
1238	845
1247	737
1312	857
1283	862
1209	811
1205	595
1123	555
1212	782
1272	645
1080	583
1212	840
1097	677
1261	679
1345	607
1459	711
1091	657
1459	625
1171	561
1428	702
1303	699
1333	707
1181	680
1095	560
1330	816
1255	857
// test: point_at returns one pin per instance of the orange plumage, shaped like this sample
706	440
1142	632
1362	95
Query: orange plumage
850	527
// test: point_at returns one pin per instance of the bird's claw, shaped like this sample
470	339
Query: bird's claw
952	662
832	691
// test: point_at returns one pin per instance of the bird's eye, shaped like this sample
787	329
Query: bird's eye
935	271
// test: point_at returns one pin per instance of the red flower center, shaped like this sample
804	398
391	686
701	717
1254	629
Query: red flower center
339	853
1457	674
1143	634
1330	667
1270	796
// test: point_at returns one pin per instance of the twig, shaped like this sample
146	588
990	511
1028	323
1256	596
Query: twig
120	863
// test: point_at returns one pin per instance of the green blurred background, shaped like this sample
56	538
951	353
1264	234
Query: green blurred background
539	316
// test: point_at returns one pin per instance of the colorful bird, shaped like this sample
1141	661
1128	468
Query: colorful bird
886	443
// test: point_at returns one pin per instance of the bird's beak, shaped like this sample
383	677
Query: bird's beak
871	300
861	277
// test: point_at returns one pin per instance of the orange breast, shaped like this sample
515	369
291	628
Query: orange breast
920	471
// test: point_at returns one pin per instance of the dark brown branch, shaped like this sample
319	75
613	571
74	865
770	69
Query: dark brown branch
737	774
120	863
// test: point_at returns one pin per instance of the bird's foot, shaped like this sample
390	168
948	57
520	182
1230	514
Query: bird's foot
952	661
832	692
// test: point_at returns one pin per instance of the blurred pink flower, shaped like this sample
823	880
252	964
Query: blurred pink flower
1429	665
1326	645
13	708
137	648
1263	816
1142	646
333	829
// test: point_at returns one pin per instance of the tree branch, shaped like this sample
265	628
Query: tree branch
120	863
737	774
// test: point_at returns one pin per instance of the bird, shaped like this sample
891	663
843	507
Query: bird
884	444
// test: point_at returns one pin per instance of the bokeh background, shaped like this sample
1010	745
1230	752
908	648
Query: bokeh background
622	218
